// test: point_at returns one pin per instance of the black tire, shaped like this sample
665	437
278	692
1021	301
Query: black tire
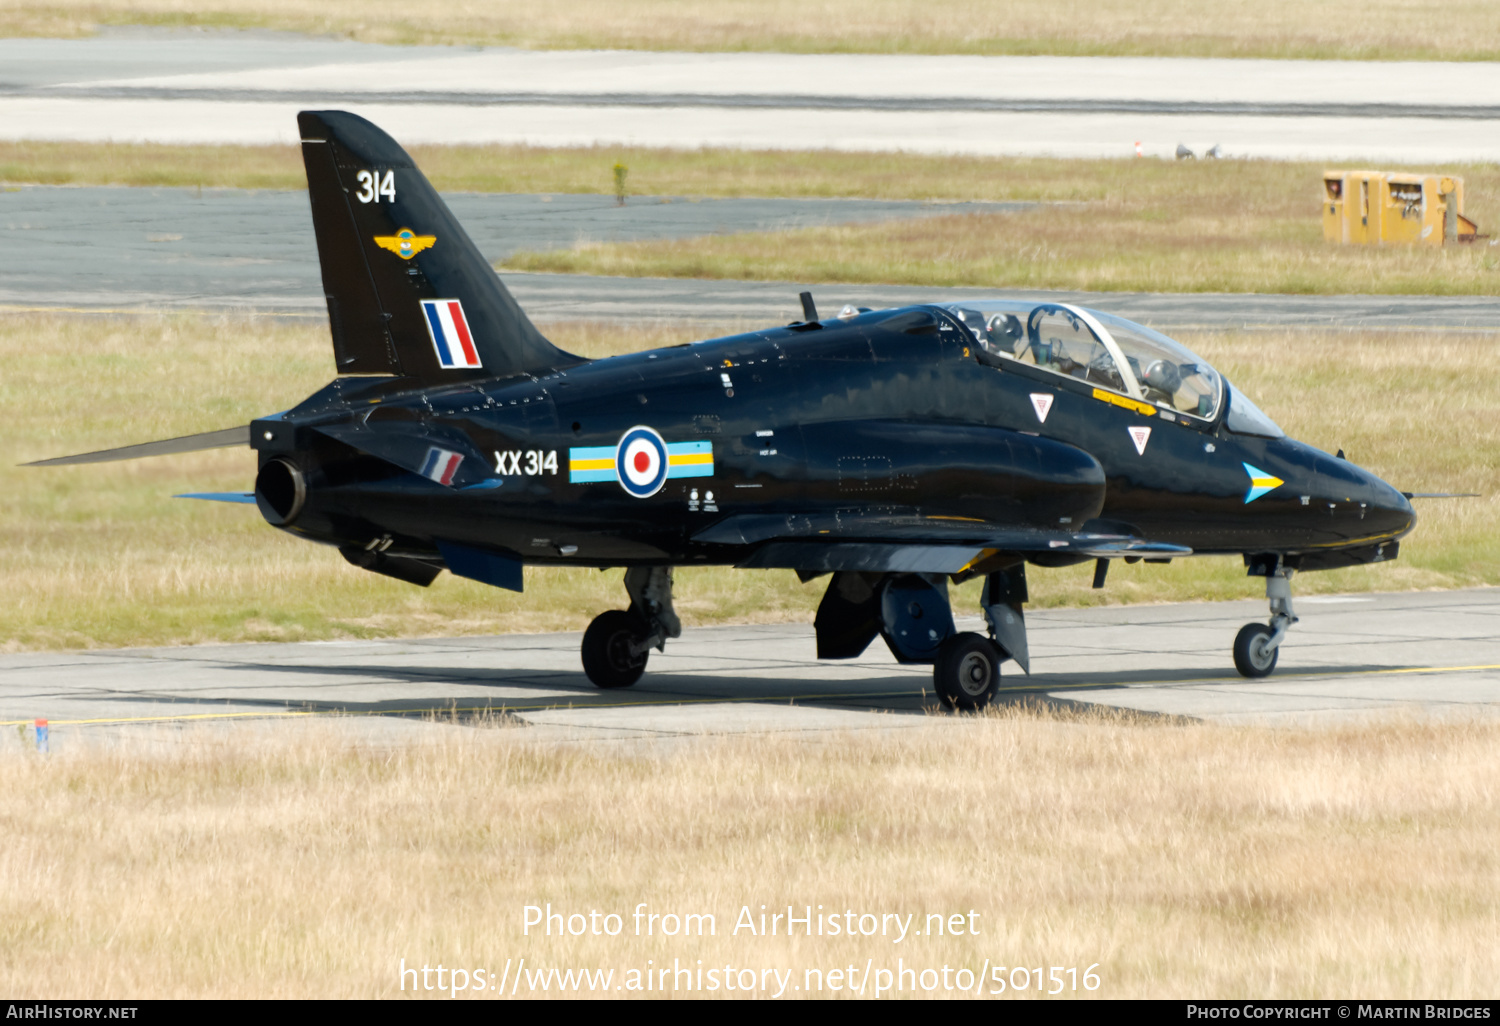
606	649
1249	656
967	672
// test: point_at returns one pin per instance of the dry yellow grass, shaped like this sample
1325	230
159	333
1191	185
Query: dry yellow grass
655	171
33	162
102	556
1124	225
1187	860
1326	29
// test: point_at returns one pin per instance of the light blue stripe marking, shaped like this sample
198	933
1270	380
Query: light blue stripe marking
589	476
691	470
689	448
592	452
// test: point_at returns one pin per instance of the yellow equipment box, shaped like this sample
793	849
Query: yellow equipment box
1372	208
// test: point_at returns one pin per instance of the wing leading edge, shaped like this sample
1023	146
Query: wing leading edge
908	544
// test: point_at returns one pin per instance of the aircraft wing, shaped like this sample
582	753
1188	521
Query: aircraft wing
887	543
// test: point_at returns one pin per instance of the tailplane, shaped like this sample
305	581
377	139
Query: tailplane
408	292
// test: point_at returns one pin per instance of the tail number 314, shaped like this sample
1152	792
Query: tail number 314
374	186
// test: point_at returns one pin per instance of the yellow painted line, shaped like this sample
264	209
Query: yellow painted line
690	459
591	464
1438	669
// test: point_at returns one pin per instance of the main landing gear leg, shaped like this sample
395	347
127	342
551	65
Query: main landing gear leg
1256	645
618	642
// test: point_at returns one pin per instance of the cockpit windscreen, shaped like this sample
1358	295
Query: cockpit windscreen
1098	348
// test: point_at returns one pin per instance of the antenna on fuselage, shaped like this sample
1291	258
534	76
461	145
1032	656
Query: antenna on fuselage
809	308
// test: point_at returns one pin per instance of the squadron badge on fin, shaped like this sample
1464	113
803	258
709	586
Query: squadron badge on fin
405	243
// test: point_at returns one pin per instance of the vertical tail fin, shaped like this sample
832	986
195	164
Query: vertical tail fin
408	292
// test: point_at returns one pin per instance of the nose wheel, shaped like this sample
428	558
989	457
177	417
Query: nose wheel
1253	656
1257	644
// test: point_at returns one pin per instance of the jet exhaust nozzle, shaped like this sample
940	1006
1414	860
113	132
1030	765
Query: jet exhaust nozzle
280	491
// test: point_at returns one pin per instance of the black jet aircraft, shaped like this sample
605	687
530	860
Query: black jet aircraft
897	451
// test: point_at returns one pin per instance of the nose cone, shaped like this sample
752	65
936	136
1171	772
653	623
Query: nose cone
1382	511
1390	510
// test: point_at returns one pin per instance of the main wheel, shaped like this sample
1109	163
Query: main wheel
1251	657
967	672
606	649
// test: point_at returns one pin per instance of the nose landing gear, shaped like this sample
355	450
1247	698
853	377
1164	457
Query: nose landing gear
619	641
1256	645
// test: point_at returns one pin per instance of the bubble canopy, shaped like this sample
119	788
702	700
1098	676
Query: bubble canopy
1108	352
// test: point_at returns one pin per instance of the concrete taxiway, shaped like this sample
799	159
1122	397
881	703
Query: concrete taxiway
1432	653
208	87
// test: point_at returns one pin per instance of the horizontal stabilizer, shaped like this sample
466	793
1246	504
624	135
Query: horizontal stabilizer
245	497
166	447
1441	495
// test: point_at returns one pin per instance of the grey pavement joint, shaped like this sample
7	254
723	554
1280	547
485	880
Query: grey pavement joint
1417	654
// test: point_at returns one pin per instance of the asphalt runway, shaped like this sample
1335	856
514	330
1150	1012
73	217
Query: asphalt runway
120	249
1421	654
217	87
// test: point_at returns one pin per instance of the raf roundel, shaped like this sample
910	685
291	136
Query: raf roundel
641	461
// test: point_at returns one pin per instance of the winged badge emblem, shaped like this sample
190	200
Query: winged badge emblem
405	243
